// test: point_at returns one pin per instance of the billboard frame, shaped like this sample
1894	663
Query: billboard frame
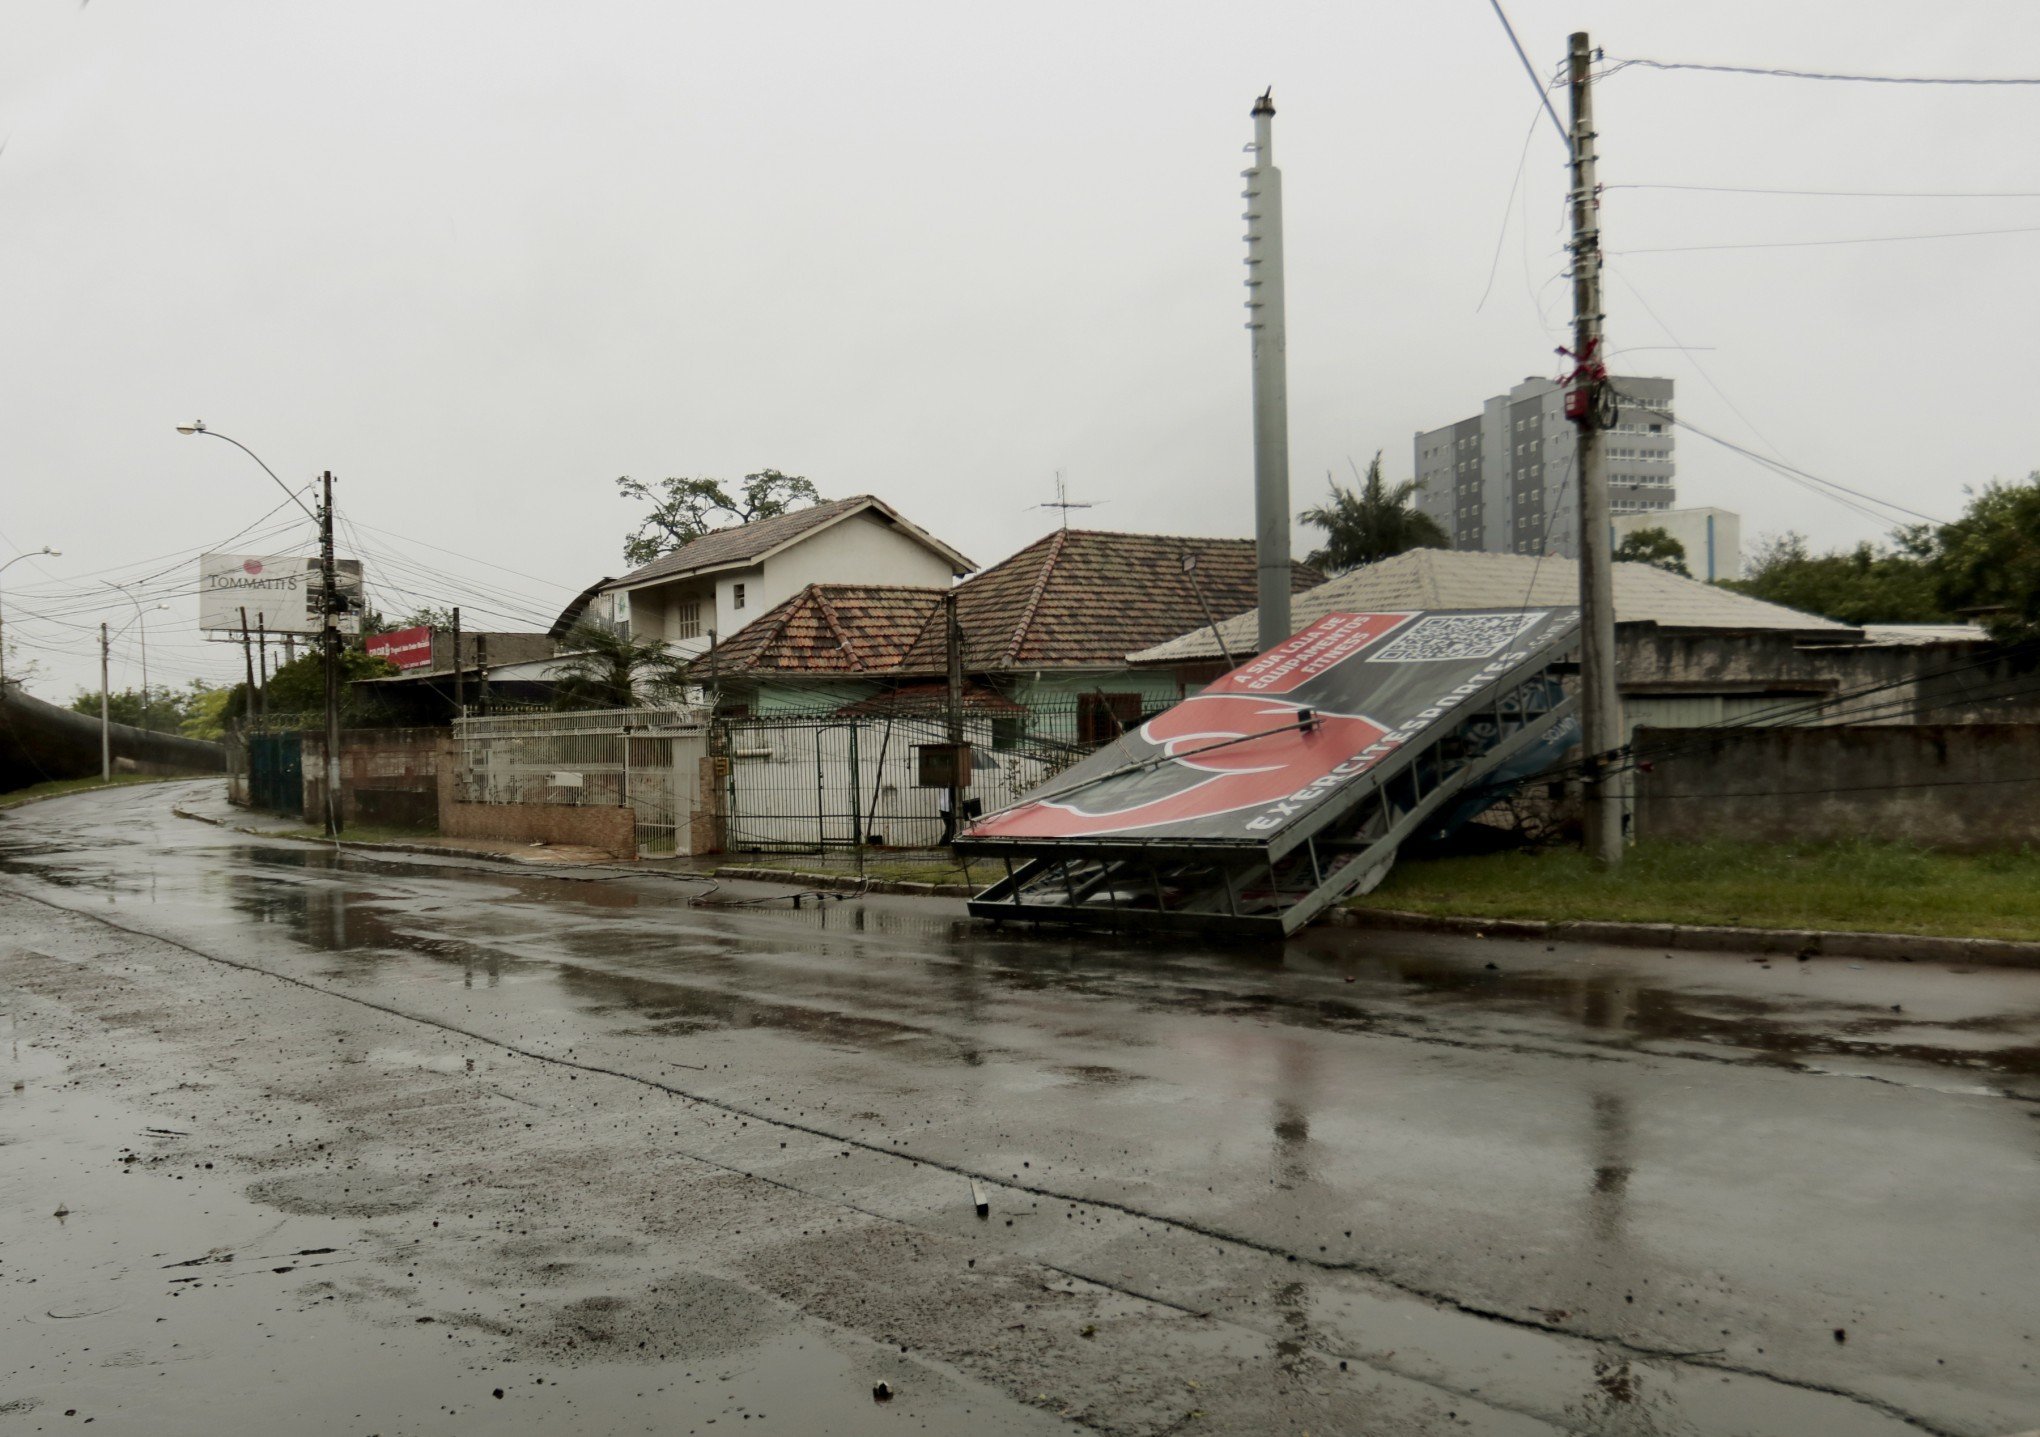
1270	887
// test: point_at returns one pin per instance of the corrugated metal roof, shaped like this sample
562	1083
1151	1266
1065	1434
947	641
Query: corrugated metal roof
1449	579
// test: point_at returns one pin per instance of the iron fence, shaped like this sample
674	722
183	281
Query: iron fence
812	784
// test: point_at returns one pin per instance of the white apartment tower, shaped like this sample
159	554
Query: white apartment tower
1504	479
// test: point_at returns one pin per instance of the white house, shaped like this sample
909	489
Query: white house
721	581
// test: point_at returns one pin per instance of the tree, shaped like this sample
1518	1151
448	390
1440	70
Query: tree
1870	584
684	509
160	710
206	712
600	669
1371	523
1654	546
425	617
1988	562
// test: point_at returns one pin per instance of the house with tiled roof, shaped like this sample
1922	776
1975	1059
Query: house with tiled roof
1047	631
717	584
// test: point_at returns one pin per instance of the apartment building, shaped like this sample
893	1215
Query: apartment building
1503	480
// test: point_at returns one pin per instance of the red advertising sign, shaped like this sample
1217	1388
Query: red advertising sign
406	648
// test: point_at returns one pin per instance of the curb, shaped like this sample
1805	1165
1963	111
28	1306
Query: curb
847	882
100	788
430	850
1693	938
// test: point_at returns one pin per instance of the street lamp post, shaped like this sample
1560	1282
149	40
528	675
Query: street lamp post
143	630
105	696
329	607
29	554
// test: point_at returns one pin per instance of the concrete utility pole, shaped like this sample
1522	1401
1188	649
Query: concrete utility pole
248	702
1587	405
952	643
1271	377
105	721
459	689
329	644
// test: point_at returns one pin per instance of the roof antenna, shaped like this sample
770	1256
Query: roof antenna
1063	501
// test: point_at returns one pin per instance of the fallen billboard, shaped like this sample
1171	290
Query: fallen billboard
1352	731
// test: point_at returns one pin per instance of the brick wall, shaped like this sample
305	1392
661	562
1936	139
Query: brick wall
388	776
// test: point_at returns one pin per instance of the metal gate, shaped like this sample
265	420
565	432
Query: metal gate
276	772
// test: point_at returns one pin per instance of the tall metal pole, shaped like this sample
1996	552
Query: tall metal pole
459	689
105	721
329	637
1266	323
952	641
1586	405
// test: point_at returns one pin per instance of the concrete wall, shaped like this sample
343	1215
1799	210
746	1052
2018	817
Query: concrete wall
1918	683
388	776
1958	786
612	830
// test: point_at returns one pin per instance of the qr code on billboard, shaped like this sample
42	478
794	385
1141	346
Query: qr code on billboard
1440	637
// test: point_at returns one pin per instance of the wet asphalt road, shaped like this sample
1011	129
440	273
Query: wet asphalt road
329	1143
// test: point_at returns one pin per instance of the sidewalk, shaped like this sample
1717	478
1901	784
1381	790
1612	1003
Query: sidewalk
213	808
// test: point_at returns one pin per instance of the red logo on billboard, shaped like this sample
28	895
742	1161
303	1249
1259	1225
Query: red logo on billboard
1221	752
251	567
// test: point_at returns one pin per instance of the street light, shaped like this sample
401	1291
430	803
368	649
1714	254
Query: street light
105	721
25	554
329	601
144	632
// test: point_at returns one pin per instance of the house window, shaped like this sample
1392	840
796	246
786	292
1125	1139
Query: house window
1104	717
689	618
736	596
1008	732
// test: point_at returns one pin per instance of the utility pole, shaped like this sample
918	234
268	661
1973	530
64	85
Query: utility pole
1266	322
1587	404
329	643
952	642
261	666
248	667
105	721
459	689
482	673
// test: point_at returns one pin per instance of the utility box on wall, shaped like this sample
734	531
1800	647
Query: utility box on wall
942	765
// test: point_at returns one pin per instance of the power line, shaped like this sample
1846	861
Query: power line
1792	472
1543	92
1779	74
1823	243
1836	194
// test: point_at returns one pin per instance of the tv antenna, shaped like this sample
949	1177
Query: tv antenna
1063	501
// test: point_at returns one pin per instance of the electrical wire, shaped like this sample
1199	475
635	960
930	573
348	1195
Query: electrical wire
1615	66
1543	92
1827	243
1835	194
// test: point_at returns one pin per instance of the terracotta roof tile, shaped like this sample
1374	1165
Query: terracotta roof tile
829	629
1083	598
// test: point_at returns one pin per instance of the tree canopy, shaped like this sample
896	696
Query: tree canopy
1655	546
1371	523
684	509
1982	568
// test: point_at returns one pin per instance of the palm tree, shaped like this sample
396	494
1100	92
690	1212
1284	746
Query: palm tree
1371	523
603	669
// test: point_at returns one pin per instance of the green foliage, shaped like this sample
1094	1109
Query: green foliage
684	509
1371	523
427	617
1865	585
1654	546
298	688
160	710
205	712
601	669
1987	564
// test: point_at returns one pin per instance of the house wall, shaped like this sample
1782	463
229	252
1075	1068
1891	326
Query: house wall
1961	786
860	550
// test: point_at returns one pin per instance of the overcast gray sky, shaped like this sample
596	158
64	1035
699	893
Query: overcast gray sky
481	258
